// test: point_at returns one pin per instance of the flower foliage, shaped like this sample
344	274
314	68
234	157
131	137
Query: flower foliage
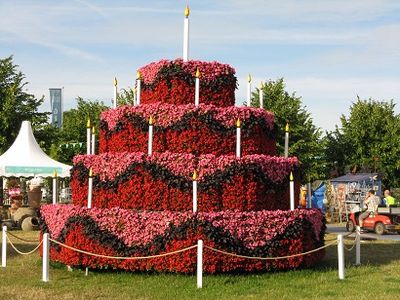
120	232
187	128
163	181
174	82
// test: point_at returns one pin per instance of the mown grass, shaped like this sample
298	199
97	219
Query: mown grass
378	278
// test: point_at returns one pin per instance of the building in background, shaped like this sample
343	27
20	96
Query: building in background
56	106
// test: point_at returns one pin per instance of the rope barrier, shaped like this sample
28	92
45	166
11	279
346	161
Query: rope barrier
271	258
22	239
122	257
20	252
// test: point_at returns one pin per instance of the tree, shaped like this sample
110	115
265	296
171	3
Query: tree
336	149
72	137
304	141
371	133
16	105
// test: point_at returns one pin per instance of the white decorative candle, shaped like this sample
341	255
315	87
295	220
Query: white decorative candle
248	98
238	138
286	140
195	191
55	187
93	146
138	83
186	35
90	188
261	95
291	191
88	137
115	92
197	88
150	144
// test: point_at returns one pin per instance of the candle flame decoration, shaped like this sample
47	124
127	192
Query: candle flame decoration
138	75
249	78
187	11
238	123
194	175
88	124
291	176
90	172
93	130
287	127
197	73
151	120
115	81
54	174
261	84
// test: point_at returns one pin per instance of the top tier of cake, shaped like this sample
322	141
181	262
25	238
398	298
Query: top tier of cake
173	82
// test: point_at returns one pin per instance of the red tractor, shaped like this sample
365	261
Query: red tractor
386	220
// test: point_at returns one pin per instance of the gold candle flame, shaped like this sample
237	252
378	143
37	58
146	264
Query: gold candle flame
187	11
238	123
194	175
197	73
88	123
291	176
115	81
90	172
249	78
138	75
151	120
54	174
287	127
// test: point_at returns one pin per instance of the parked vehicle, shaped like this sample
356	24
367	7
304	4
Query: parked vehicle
386	220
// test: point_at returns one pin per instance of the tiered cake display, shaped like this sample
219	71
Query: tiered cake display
142	203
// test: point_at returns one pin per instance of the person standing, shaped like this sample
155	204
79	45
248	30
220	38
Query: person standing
389	200
371	202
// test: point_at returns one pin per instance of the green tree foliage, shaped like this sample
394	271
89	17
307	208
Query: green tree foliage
371	136
72	137
126	97
16	105
304	141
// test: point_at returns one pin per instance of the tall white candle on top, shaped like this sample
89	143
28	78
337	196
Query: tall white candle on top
291	191
248	90
90	188
93	146
138	86
186	34
88	137
286	153
238	138
197	88
261	94
115	92
150	144
55	192
194	191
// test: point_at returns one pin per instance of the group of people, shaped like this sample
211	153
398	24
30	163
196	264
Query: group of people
372	202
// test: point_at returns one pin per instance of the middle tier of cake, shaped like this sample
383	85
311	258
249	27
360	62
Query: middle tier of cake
188	128
164	181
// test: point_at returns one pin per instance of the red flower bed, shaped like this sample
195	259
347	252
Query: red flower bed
119	232
187	128
163	181
174	82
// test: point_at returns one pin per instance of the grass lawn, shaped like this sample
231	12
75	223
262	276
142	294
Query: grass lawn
377	278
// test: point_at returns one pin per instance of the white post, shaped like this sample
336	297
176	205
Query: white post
261	94
238	138
358	250
194	191
340	250
199	264
287	140
46	259
150	142
4	247
291	191
197	88
248	98
88	137
93	141
186	35
138	87
90	188
115	104
55	188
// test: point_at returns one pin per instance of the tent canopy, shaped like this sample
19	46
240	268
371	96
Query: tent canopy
358	177
25	158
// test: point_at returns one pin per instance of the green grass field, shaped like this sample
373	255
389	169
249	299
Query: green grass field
377	278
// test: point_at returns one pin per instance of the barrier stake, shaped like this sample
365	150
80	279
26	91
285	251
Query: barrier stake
4	248
358	250
199	264
46	246
340	256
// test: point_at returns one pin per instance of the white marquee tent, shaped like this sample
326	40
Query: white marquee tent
25	158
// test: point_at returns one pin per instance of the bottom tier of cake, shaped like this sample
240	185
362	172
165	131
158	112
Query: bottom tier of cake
127	233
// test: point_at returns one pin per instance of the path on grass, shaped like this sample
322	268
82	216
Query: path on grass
341	229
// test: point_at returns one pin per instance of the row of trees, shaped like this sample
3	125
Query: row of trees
367	140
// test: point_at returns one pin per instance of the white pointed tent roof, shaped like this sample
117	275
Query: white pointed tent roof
26	158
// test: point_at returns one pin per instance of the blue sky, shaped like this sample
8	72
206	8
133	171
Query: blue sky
327	51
